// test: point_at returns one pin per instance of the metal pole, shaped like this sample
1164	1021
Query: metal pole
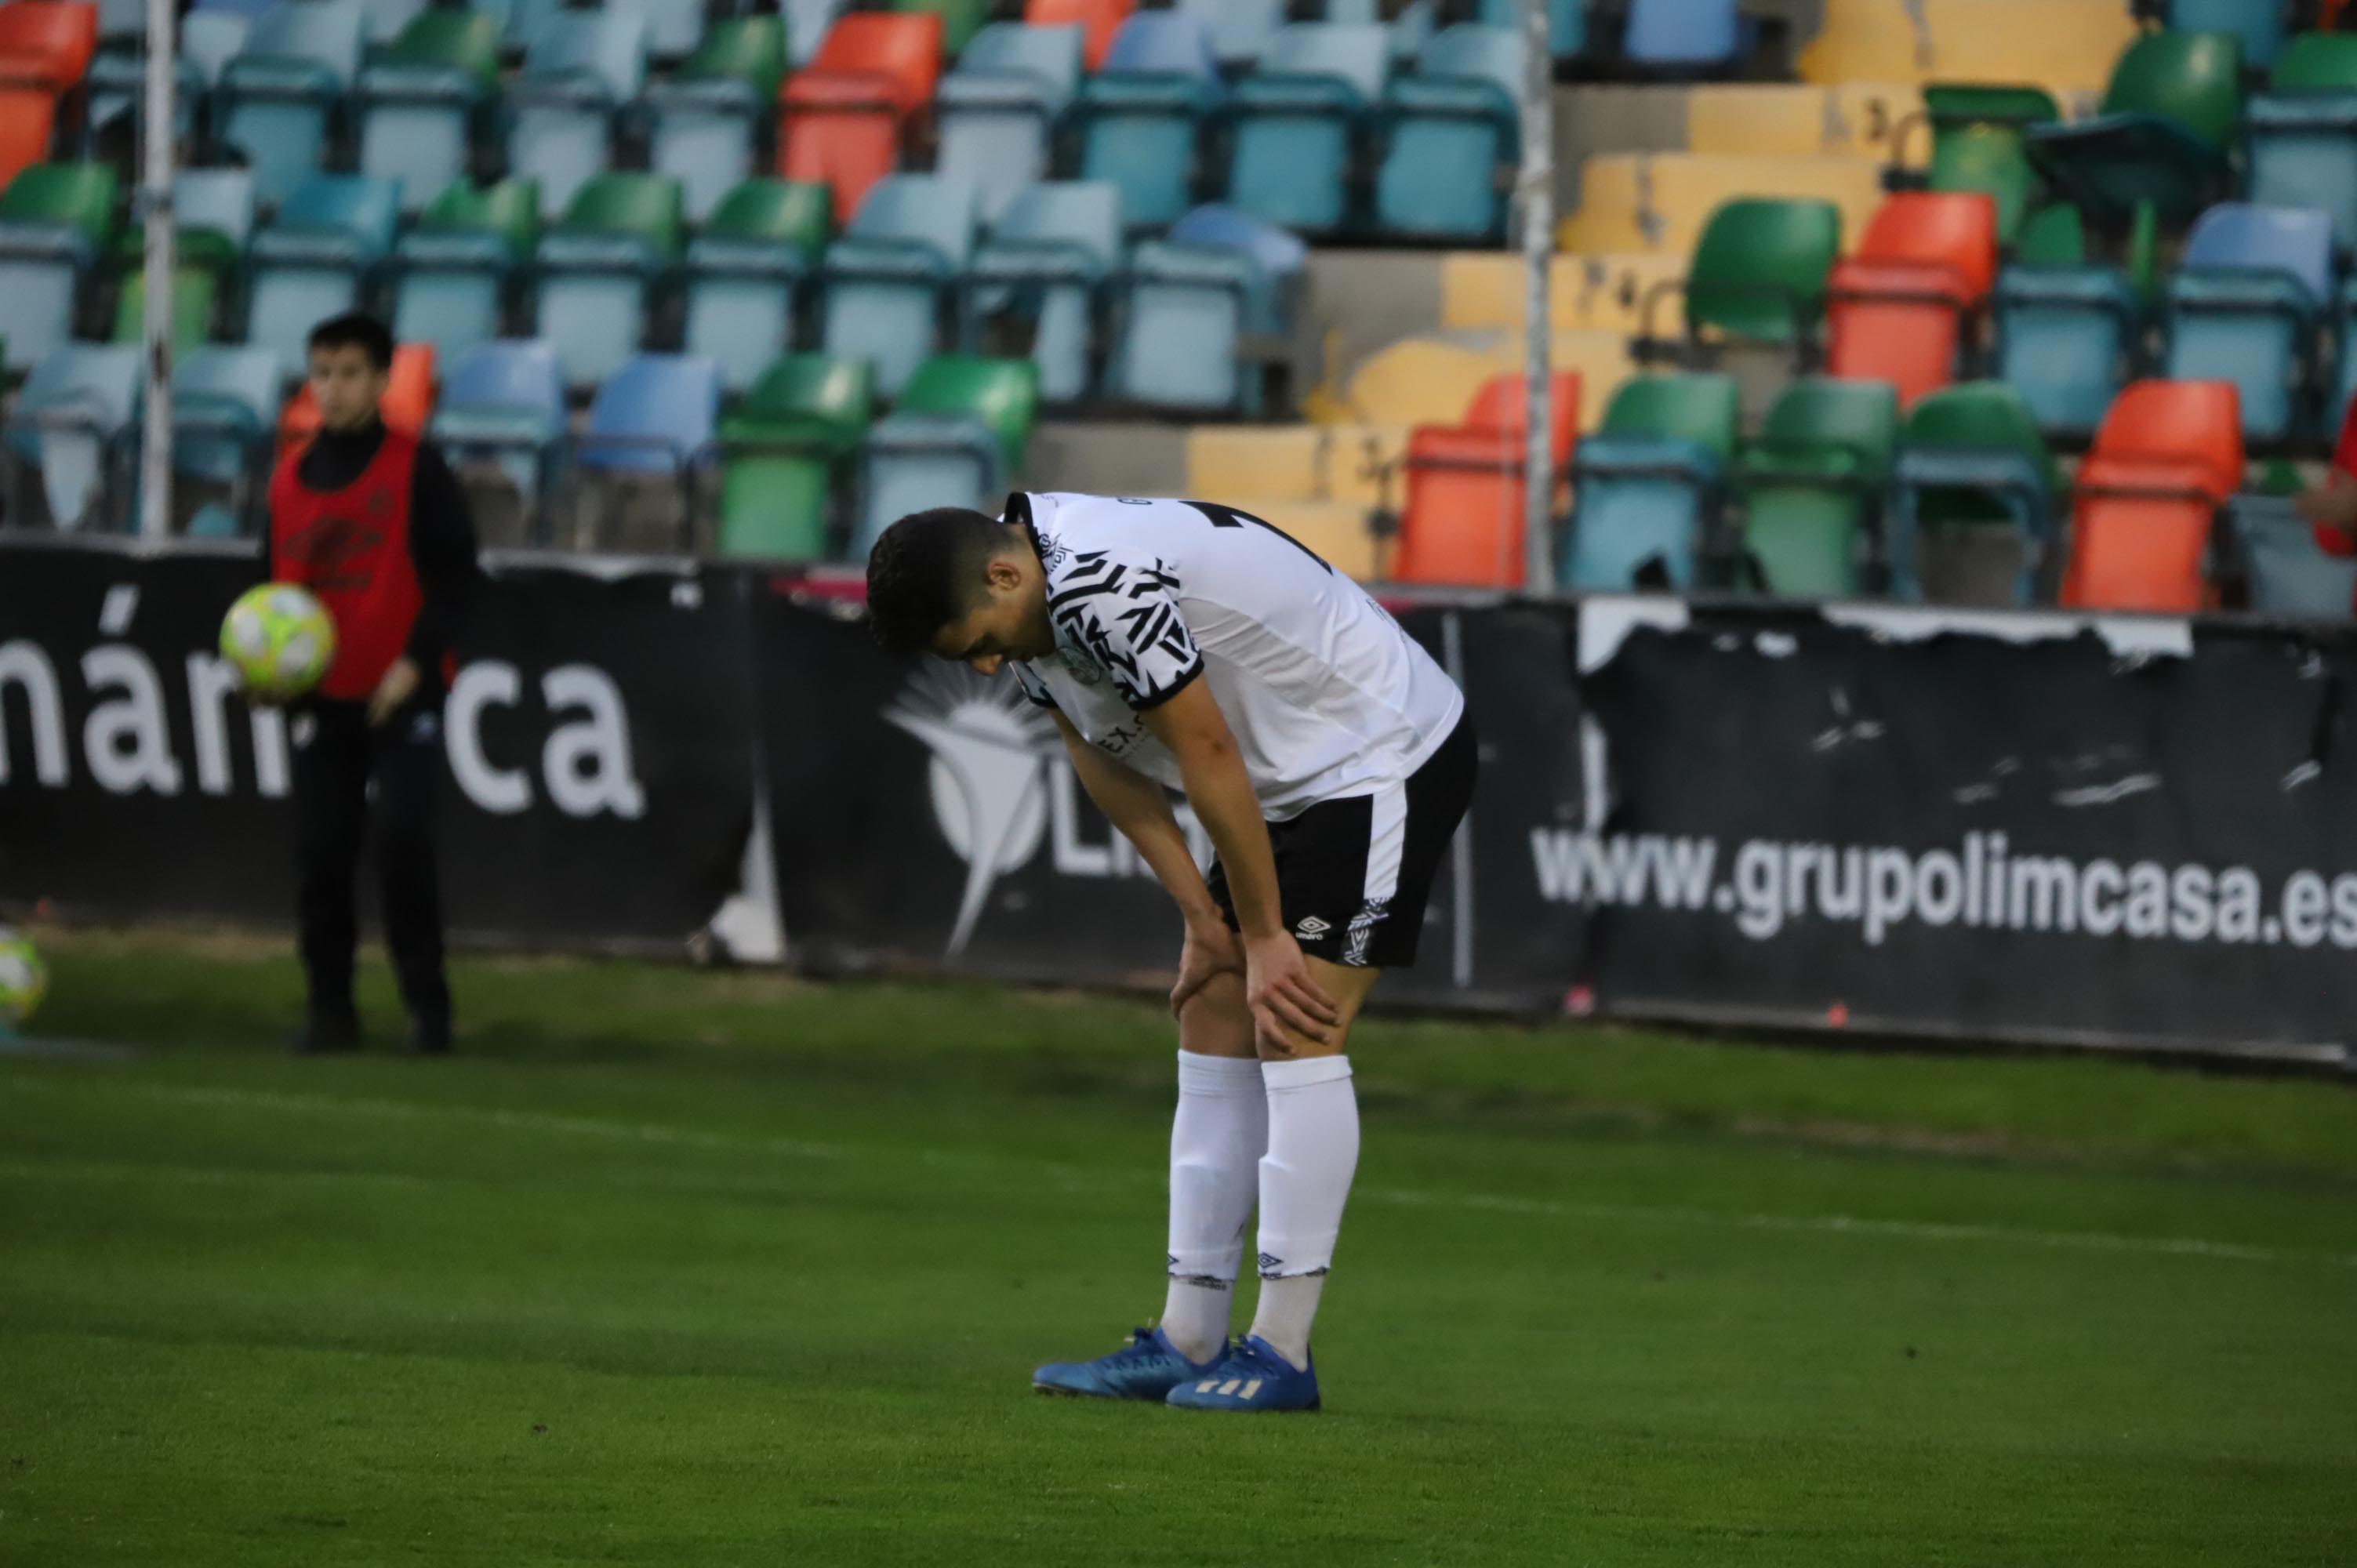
1534	199
155	209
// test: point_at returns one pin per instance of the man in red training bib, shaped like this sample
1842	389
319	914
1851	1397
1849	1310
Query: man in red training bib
371	522
2331	508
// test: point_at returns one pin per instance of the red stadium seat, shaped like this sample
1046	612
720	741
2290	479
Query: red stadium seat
45	50
408	398
843	117
1098	21
2145	503
1896	311
1463	523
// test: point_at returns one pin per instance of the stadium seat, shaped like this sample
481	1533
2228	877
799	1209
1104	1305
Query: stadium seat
1674	37
1041	276
384	20
420	99
453	272
1898	311
213	214
1646	484
960	20
998	108
1139	115
597	270
842	119
581	70
407	404
2067	339
778	450
2288	575
955	438
1972	512
1644	201
673	29
1241	30
1463	520
224	405
649	434
743	272
703	122
889	279
2257	25
2146	502
56	220
1814	487
502	409
1200	310
2247	304
1567	23
1758	273
1296	123
279	94
1452	130
2168	123
1099	21
1979	142
71	423
45	53
2301	133
117	82
331	235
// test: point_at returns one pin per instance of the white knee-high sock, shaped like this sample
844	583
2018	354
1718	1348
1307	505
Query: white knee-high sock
1305	1179
1216	1141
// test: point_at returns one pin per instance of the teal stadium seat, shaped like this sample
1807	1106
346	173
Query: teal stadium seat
2068	335
743	269
701	123
1299	122
1647	482
1140	114
317	259
1041	276
55	222
2247	304
1451	128
582	68
453	272
2301	133
597	271
999	107
1198	303
886	282
68	426
280	92
419	101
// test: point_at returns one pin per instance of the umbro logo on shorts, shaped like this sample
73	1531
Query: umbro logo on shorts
1311	928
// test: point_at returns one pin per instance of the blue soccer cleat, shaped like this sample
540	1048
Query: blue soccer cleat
1253	1377
1147	1367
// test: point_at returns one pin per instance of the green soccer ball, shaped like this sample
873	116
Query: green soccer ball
279	640
24	978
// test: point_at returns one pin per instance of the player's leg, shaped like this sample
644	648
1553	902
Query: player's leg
407	759
1217	1138
330	778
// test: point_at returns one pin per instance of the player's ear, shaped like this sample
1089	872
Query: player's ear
1002	573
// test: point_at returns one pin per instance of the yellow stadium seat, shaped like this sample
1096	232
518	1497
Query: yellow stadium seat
2067	46
1780	120
1659	201
1335	530
1277	462
1483	292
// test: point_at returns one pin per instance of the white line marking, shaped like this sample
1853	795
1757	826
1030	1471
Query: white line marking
1093	1178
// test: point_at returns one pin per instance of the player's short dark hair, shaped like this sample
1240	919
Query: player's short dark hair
355	329
926	572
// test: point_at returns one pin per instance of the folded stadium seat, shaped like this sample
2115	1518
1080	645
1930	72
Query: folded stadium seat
44	51
501	421
1036	285
2168	127
2257	25
841	121
420	99
744	269
1452	131
1567	23
2301	133
1296	123
72	425
1241	30
1900	310
55	222
778	452
212	217
999	105
960	20
1980	141
1646	201
582	69
1685	36
1815	485
1138	116
2067	337
597	271
117	82
673	27
702	124
1205	314
225	403
456	271
1972	519
331	235
1098	20
1757	274
955	438
2289	575
280	92
1646	484
2145	503
2247	304
889	281
407	404
636	462
1463	520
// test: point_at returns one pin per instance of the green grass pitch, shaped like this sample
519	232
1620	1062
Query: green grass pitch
683	1269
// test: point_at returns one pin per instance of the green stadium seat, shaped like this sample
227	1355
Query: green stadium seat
196	295
1813	486
1979	142
955	438
1759	271
1972	513
779	451
2169	122
2054	235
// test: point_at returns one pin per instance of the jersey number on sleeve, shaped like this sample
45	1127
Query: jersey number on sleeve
1229	517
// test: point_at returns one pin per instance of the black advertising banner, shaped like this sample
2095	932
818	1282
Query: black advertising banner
598	737
2028	826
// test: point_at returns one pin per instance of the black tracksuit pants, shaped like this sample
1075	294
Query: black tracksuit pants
337	757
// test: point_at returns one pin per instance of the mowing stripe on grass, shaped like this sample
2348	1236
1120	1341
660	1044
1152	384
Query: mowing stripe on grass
1089	1177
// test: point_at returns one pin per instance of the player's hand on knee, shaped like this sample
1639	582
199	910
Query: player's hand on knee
1288	1006
1211	951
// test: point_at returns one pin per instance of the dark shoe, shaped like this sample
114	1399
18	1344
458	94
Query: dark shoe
429	1038
319	1035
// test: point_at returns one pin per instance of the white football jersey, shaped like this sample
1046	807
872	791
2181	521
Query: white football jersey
1326	695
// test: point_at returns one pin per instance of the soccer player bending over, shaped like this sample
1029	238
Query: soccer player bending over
1185	645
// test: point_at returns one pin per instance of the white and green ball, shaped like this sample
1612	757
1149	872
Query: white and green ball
24	978
279	640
